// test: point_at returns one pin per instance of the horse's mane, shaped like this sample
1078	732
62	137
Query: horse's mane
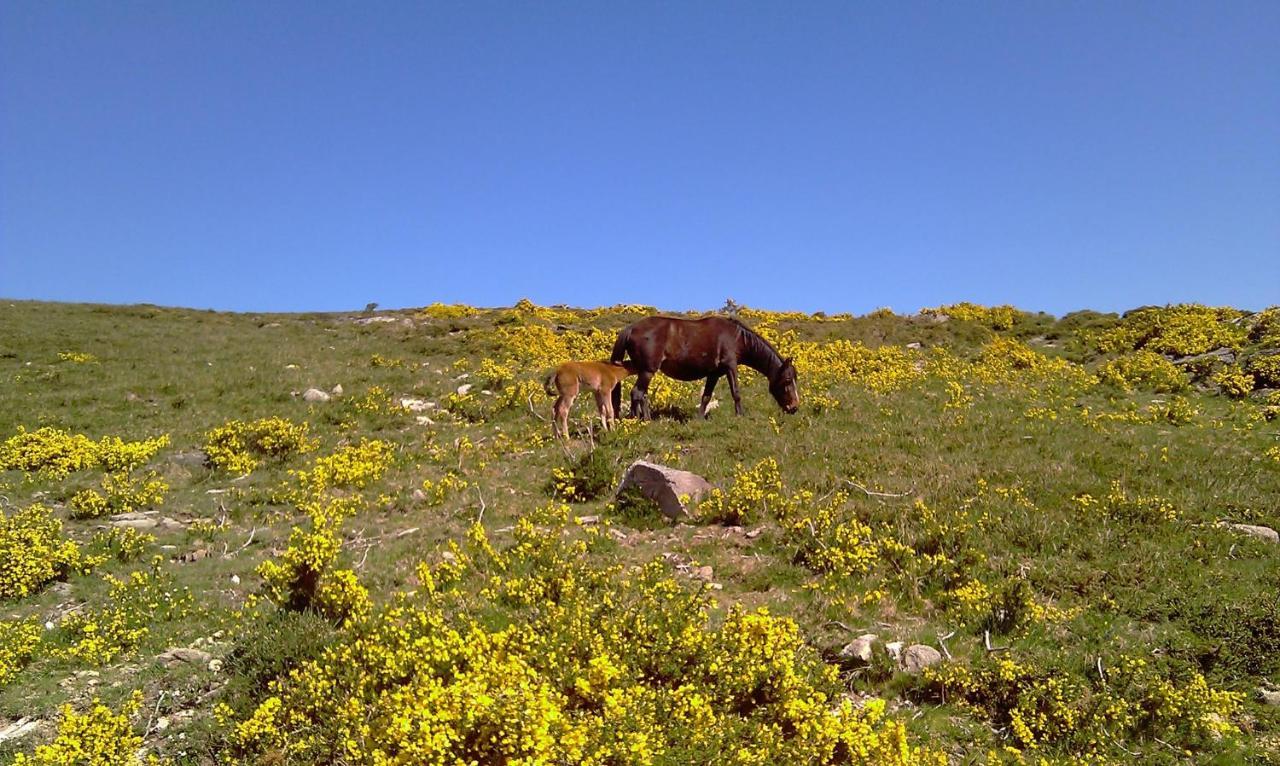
759	348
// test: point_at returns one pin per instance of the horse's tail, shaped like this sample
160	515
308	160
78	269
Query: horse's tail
620	345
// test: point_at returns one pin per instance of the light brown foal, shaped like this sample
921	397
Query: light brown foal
600	377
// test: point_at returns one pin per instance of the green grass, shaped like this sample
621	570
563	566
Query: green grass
1187	593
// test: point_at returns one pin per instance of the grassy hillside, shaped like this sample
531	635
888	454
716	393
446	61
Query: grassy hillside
416	572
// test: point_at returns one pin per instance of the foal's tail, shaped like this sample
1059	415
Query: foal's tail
548	384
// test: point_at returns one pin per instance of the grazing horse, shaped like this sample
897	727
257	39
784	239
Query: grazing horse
601	377
692	349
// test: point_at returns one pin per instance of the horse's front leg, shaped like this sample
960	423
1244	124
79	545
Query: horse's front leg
732	375
640	397
707	390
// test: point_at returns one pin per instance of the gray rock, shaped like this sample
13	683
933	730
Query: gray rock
1224	355
179	655
1266	533
315	395
337	390
192	457
917	657
463	389
136	520
669	487
20	728
859	649
1269	697
416	405
915	344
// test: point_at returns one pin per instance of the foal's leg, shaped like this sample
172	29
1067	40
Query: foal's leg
602	407
562	407
732	375
640	397
707	390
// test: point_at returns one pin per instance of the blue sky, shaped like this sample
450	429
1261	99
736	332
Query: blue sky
840	157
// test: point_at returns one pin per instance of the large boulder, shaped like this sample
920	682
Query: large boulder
1265	533
670	488
917	657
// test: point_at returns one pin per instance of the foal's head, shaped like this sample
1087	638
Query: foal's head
782	384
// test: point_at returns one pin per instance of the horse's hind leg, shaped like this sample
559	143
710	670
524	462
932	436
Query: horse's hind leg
615	398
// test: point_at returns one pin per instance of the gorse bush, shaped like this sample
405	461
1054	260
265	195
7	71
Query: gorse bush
1180	330
995	317
97	737
53	453
1265	369
1044	708
120	493
1145	370
584	478
240	447
98	635
33	551
591	666
19	640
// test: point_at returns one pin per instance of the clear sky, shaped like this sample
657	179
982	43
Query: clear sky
841	156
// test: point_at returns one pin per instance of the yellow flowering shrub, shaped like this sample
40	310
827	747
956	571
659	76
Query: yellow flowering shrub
97	737
1234	382
77	357
33	551
1265	327
1143	369
19	640
122	543
1265	369
101	633
446	311
1180	330
1085	716
354	466
754	492
995	317
53	453
239	447
435	492
588	664
120	492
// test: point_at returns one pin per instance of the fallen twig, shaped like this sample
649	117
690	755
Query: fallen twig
536	414
942	642
1101	674
986	641
873	493
480	516
846	627
154	710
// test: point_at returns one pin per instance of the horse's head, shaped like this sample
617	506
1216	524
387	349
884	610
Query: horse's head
782	385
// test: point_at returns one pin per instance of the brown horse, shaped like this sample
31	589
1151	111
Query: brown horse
603	378
692	349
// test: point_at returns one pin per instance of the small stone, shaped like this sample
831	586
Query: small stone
20	728
423	420
1269	697
754	533
337	390
894	650
215	666
416	405
135	520
859	649
291	366
162	723
917	657
704	573
315	395
418	496
916	344
587	521
49	625
194	457
1266	533
235	579
463	389
178	655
